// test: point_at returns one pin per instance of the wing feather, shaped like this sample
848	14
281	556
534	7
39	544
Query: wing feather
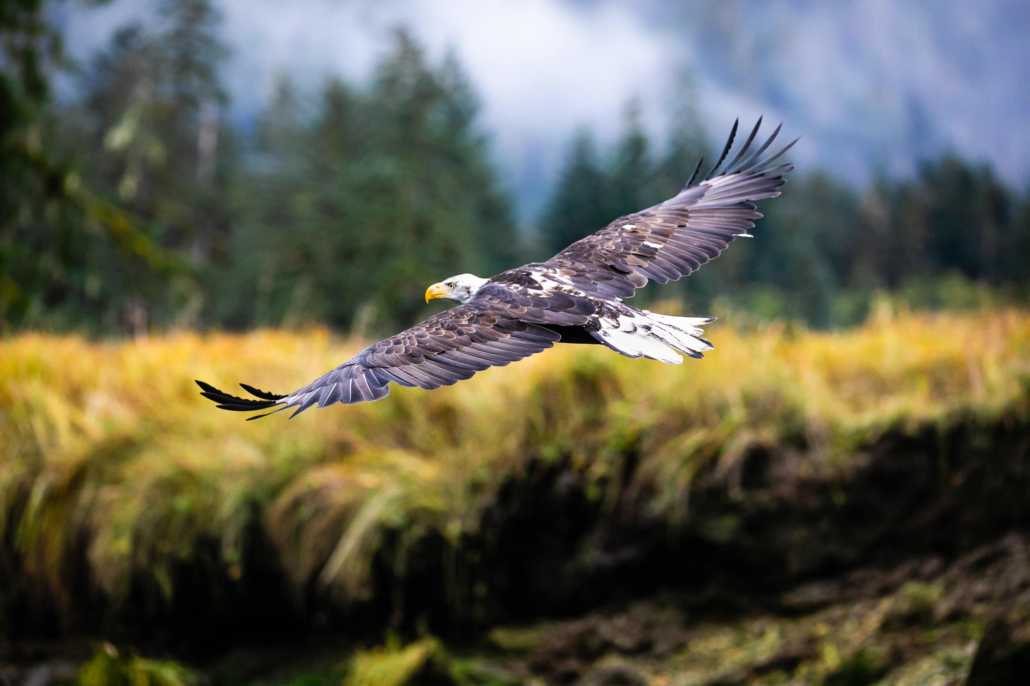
501	324
672	239
442	350
725	150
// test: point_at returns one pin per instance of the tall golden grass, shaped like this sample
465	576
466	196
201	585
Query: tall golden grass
111	443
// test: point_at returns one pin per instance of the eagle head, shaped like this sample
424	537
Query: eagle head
461	288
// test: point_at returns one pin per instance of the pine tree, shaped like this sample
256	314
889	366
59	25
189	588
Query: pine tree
59	241
579	205
687	140
34	253
156	148
376	195
631	170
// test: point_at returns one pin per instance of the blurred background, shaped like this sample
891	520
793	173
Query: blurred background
242	164
249	190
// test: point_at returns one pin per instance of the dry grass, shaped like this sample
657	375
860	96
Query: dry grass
111	441
390	665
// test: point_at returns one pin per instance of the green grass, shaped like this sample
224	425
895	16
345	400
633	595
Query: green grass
110	458
108	667
390	665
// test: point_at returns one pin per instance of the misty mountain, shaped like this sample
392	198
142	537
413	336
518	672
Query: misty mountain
870	85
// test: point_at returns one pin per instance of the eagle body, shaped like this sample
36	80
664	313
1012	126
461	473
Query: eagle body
575	297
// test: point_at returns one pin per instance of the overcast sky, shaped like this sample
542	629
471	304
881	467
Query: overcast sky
869	85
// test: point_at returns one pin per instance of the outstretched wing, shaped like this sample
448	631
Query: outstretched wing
446	348
669	241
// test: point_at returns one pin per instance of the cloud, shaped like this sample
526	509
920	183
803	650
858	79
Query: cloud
541	68
873	84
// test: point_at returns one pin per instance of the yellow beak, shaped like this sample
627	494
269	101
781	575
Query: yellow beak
437	290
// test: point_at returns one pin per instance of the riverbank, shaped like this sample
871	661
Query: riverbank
573	483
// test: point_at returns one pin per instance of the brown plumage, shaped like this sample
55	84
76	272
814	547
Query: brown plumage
575	296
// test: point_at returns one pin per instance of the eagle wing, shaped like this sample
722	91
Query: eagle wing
446	348
507	319
670	240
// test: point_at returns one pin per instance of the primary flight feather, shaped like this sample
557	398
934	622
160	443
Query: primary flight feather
574	297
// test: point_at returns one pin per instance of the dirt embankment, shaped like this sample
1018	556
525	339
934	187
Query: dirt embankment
917	622
780	532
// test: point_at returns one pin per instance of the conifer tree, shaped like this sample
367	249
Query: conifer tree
59	241
631	171
378	194
579	205
155	147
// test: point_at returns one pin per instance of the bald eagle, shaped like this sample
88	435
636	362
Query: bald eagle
574	297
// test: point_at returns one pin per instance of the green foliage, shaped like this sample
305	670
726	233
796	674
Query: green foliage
913	605
32	187
148	124
59	242
579	206
110	668
391	665
593	190
365	198
138	207
861	669
952	236
114	469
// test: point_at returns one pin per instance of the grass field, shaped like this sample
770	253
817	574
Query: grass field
109	458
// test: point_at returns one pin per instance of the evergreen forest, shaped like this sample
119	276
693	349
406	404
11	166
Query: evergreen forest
137	205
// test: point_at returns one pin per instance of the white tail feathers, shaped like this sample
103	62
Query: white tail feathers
681	333
637	344
656	336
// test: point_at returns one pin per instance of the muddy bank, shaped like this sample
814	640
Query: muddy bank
920	621
776	515
925	620
554	543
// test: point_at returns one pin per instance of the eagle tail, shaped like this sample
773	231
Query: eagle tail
640	333
682	334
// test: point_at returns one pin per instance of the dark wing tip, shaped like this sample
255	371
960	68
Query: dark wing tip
264	395
744	148
693	174
775	156
250	419
206	386
225	401
726	149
